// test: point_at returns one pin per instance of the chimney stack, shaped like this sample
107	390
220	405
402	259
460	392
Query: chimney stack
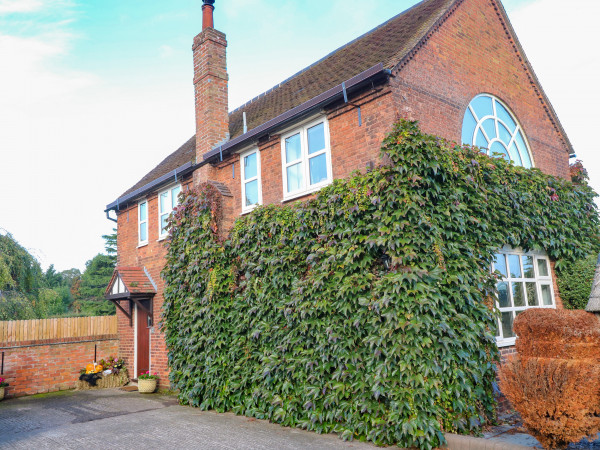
207	14
210	86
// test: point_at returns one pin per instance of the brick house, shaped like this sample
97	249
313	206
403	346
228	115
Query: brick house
454	65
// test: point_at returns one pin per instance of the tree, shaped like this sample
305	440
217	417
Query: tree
70	275
89	290
15	306
53	278
110	245
26	275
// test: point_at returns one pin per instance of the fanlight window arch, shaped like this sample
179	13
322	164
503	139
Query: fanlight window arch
490	125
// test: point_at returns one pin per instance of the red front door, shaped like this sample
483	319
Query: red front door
143	339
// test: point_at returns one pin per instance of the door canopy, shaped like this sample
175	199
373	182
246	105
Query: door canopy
129	281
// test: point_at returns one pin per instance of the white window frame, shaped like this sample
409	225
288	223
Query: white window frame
140	222
247	209
169	190
304	158
539	281
479	126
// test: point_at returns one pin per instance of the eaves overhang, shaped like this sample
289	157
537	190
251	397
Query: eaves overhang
336	93
163	180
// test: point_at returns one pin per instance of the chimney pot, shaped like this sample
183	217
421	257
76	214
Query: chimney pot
207	14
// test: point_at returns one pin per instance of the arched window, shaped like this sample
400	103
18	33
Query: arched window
489	124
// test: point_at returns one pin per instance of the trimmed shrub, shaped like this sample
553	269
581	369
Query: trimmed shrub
362	311
558	399
575	282
556	333
554	381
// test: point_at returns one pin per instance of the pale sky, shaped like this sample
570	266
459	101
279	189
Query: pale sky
95	93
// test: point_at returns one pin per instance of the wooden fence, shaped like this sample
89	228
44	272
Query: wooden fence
68	327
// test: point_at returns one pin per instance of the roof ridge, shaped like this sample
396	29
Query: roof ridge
326	56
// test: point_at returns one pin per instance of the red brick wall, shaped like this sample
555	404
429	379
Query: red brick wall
54	365
471	53
152	257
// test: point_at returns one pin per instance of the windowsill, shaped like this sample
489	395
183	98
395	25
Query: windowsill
312	190
505	342
142	244
162	238
249	209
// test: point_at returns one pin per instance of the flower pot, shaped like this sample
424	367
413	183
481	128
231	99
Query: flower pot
1	393
147	386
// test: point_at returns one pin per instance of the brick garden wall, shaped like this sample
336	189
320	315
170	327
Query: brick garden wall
34	367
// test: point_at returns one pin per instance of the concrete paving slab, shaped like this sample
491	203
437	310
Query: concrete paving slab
116	419
112	418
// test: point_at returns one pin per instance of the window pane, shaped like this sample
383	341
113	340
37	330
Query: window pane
500	265
250	166
517	292
143	211
528	267
468	128
318	168
532	298
482	107
546	294
515	267
163	202
503	300
174	196
504	115
294	177
252	193
523	150
480	140
505	135
292	148
542	267
163	223
507	325
490	128
499	150
515	155
316	138
143	231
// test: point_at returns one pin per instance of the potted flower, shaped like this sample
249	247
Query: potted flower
147	382
3	384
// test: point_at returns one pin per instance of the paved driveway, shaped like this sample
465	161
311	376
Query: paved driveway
111	418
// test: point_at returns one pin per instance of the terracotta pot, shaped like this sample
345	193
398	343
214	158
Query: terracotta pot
147	386
1	393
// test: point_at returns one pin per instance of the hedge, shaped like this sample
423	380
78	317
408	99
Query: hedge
365	311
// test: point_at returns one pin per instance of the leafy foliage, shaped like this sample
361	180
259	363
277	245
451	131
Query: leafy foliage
364	310
575	282
18	269
89	291
110	244
26	292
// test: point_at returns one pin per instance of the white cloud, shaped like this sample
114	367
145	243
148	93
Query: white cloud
165	51
19	6
559	40
71	142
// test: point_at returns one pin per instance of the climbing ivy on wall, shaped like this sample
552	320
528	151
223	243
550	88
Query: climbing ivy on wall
365	311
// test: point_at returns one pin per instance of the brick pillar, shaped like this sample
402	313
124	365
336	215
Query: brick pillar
210	87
